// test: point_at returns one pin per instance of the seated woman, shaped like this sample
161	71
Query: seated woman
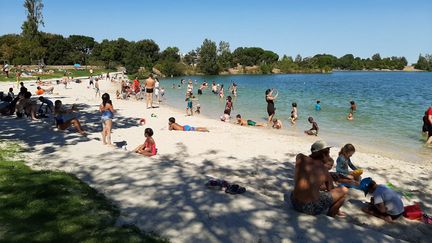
61	122
149	147
26	106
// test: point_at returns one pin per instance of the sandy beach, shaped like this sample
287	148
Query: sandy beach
166	193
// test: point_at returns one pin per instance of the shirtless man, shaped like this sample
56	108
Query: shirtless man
176	127
310	175
149	86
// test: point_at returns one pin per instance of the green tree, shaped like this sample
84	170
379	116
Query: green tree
81	48
171	54
34	18
268	57
57	49
191	58
207	60
144	53
298	59
422	63
346	62
225	57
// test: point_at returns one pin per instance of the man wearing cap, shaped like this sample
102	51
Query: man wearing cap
385	203
310	174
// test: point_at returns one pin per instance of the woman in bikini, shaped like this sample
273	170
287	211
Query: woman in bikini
149	147
107	110
271	110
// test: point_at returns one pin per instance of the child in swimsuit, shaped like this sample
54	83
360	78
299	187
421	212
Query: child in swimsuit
294	115
172	125
189	105
318	105
344	161
149	147
277	124
314	130
243	122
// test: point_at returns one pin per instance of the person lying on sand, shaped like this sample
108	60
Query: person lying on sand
310	173
277	124
243	122
314	129
149	147
61	122
385	203
40	91
176	127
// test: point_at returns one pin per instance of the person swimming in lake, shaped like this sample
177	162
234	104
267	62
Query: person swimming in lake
294	115
221	92
350	116
277	124
271	110
173	126
318	105
149	147
353	106
243	122
314	130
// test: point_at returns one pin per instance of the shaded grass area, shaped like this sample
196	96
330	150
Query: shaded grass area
56	74
56	207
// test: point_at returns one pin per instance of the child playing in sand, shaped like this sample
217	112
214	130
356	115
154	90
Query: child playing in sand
176	127
243	122
385	203
314	129
318	105
294	115
149	147
225	117
344	161
198	109
277	124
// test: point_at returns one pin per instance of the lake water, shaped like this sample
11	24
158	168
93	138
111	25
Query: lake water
390	106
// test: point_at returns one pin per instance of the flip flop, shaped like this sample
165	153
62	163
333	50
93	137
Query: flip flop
235	189
216	184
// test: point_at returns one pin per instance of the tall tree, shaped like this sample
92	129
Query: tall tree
207	58
30	27
224	58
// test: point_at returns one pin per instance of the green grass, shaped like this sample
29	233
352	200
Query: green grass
56	74
49	206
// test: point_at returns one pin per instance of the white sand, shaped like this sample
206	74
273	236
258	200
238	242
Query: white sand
166	193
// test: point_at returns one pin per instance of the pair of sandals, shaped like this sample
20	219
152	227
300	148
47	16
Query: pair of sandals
220	184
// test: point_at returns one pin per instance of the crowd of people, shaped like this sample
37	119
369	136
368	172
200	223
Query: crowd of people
317	190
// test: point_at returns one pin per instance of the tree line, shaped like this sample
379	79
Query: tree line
35	47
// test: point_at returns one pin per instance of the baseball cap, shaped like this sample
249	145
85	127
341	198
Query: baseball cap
365	184
318	146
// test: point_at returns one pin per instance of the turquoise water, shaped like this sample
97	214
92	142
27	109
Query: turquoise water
390	106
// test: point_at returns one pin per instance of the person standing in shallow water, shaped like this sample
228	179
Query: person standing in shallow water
271	110
428	124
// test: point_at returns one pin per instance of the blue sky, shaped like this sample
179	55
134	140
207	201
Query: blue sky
388	27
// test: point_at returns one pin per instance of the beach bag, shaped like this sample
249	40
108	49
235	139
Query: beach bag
413	212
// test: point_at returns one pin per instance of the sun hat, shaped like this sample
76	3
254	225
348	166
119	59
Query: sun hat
319	145
365	184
